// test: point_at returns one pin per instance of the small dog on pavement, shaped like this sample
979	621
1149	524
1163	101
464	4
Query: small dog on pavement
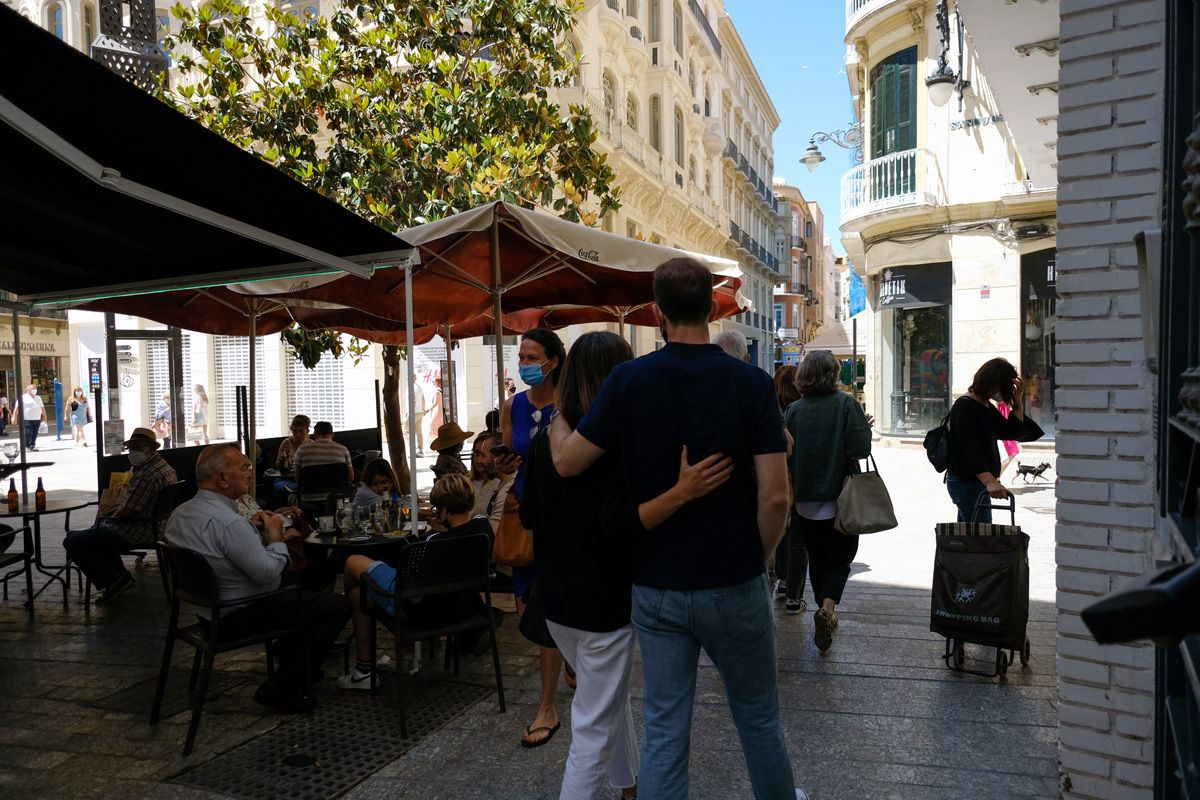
1024	471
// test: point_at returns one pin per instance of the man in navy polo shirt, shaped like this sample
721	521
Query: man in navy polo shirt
699	578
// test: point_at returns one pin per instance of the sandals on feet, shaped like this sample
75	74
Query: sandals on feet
569	676
530	731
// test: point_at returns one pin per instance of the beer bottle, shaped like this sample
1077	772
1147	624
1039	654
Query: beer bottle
14	499
39	497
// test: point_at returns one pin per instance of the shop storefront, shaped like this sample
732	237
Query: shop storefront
45	353
914	315
1038	313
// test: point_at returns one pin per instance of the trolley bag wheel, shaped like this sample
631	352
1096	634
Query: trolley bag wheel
960	654
1025	654
1001	663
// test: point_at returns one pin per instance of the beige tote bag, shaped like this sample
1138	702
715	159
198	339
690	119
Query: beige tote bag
864	505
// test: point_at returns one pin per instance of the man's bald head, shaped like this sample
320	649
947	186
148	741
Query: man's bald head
221	468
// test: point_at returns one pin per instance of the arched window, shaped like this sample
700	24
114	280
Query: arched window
656	122
679	136
677	20
631	111
88	15
707	104
56	21
608	88
655	20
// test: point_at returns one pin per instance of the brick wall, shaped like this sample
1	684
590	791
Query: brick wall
1110	108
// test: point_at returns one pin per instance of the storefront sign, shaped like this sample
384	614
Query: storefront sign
29	347
977	122
915	286
1038	269
788	333
792	354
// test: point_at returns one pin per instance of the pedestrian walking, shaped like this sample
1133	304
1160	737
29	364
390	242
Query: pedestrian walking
5	412
78	414
199	432
540	356
787	393
831	432
32	412
699	581
161	425
584	531
976	425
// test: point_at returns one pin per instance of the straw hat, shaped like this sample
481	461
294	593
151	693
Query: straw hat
142	435
449	435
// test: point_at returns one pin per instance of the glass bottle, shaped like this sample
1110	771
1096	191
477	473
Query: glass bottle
14	499
39	497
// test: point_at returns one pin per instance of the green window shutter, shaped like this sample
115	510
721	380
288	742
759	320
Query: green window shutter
894	104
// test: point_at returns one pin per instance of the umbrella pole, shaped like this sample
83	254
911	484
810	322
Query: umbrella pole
410	368
251	440
498	328
18	393
621	322
449	378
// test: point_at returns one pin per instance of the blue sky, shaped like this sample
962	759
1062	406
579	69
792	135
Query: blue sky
798	48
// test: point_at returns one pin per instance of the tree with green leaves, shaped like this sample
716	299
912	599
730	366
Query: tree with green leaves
404	112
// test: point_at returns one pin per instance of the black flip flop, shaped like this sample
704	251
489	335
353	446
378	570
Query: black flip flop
549	735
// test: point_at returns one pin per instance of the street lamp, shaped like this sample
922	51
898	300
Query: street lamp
850	139
944	80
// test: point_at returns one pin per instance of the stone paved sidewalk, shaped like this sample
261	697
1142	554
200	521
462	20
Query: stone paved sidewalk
877	716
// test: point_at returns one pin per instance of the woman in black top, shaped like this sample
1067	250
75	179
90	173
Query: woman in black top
976	425
583	533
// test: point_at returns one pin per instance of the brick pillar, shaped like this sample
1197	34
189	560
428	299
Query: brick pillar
1110	107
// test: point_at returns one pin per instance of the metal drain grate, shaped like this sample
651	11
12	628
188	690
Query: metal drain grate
138	698
350	736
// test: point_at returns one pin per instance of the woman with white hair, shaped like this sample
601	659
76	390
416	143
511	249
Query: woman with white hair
733	343
830	430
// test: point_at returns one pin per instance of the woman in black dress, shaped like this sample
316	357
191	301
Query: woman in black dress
976	425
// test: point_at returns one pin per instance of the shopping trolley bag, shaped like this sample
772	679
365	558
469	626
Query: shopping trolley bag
981	588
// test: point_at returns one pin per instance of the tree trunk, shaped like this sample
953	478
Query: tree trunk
393	416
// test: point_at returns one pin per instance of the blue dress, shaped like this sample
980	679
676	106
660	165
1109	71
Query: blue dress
527	422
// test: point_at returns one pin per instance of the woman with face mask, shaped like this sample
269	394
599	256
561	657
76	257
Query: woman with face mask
526	414
78	415
976	425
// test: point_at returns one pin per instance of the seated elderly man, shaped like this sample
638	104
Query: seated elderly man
209	524
97	550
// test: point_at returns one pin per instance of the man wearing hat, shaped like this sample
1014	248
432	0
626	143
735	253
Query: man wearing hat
448	445
97	550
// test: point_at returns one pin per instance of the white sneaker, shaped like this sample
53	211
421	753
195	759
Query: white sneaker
356	680
801	794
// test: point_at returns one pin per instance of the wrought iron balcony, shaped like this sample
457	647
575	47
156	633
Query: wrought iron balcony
702	21
894	181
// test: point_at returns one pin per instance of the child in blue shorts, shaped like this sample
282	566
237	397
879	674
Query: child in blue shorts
453	500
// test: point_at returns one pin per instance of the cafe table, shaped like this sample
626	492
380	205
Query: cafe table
31	515
355	542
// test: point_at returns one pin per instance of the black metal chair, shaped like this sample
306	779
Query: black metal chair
189	578
164	504
318	483
23	556
439	566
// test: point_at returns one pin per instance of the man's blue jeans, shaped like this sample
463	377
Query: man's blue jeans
735	626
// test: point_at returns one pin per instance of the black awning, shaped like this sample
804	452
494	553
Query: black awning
64	235
916	286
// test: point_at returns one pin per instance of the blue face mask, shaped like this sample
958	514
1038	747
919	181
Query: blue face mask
531	374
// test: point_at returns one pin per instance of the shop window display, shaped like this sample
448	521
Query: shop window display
919	392
1039	314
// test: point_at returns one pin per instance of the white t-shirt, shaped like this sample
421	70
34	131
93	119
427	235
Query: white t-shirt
31	407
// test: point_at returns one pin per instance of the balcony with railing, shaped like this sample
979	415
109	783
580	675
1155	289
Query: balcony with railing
702	21
895	181
857	10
